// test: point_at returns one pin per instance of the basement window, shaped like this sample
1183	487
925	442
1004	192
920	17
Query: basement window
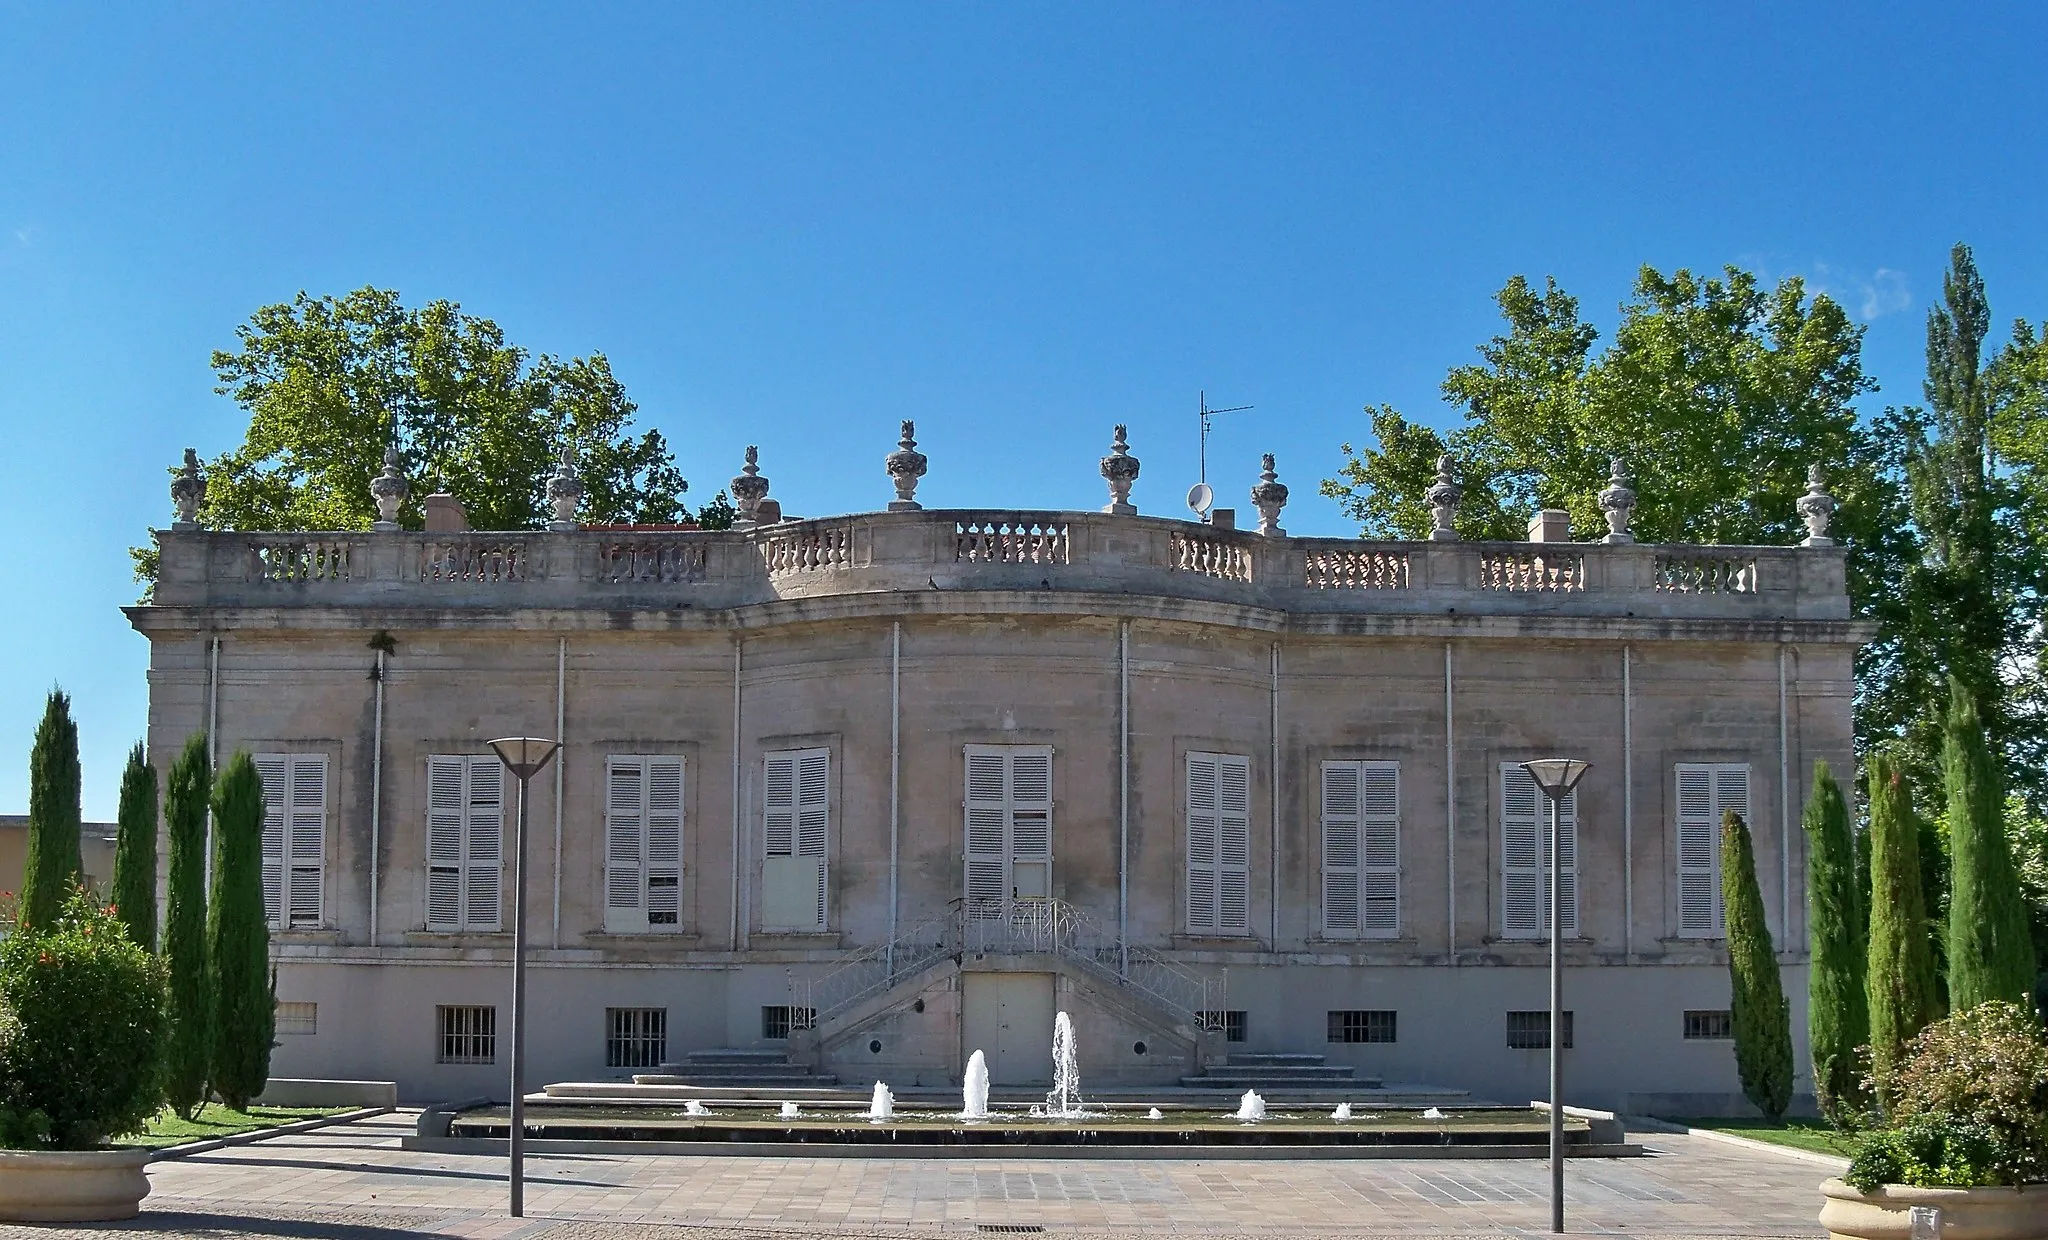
635	1037
1709	1026
1362	1026
1530	1031
299	1018
778	1022
467	1034
1231	1023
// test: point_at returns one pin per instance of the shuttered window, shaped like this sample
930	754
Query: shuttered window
1219	843
1525	857
643	842
294	837
796	836
1009	825
1706	790
465	841
1361	849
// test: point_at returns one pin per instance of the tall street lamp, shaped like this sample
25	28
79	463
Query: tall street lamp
524	756
1556	777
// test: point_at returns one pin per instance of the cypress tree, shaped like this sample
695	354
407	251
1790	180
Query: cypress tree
1838	1013
238	937
50	870
1990	951
1757	1008
135	850
1901	979
191	1041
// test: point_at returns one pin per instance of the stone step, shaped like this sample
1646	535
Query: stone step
737	1071
735	1054
1249	1058
699	1080
1218	1078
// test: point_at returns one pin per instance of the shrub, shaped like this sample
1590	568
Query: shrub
1838	1014
184	945
1901	986
51	866
82	1051
238	938
1990	948
1969	1103
1763	1024
135	850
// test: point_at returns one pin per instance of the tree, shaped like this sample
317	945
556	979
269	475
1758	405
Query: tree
51	868
186	794
329	383
238	938
1901	981
135	850
1838	1012
1990	953
718	513
1757	1008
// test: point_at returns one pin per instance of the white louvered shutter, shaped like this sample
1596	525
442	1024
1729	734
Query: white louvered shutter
1202	842
305	841
988	805
275	769
664	857
1525	856
778	805
1379	833
1031	823
447	806
1218	843
1341	910
483	844
1706	791
625	844
813	815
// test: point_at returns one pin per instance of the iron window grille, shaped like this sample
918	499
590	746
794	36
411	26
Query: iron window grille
635	1037
1231	1023
300	1018
1713	1026
1362	1026
1530	1031
468	1034
780	1021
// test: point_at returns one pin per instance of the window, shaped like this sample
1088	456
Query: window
1219	843
1530	1031
1709	1026
1009	826
297	1018
467	1034
1362	1026
643	850
777	1022
1525	857
1231	1023
635	1037
1705	792
294	836
796	824
1361	849
465	829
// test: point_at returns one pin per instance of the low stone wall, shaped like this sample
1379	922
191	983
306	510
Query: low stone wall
306	1092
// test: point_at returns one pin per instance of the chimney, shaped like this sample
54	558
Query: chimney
1551	525
444	514
1223	518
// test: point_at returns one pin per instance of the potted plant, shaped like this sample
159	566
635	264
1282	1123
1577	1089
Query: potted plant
1965	1131
81	1044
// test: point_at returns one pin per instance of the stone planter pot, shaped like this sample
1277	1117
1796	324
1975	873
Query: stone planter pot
1966	1213
71	1186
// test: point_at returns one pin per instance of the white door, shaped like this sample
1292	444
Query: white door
1009	826
1008	1018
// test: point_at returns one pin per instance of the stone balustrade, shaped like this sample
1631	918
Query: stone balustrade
973	550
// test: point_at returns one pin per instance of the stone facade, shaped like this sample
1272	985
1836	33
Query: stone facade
816	695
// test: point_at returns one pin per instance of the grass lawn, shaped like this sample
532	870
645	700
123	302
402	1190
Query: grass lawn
215	1120
1801	1134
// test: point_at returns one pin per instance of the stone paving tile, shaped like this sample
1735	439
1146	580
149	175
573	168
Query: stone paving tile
352	1182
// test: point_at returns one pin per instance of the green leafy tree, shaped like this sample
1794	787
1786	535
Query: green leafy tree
51	867
1901	986
1990	952
238	938
190	1048
1757	1008
1838	1013
718	514
135	850
330	382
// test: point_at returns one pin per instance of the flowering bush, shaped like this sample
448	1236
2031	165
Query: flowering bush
1969	1105
81	1031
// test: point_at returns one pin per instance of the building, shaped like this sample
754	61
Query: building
95	849
890	787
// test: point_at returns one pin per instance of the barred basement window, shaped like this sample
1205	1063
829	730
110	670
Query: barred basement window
1231	1023
298	1018
1530	1031
635	1037
1709	1025
778	1022
467	1034
1362	1026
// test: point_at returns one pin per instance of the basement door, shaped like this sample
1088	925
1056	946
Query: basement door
1008	1018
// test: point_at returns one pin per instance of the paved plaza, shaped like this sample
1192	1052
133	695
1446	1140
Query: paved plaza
353	1182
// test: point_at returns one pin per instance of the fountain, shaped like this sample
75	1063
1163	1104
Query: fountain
884	1104
1343	1112
1155	1113
1433	1113
789	1111
694	1107
1251	1108
1064	1102
974	1088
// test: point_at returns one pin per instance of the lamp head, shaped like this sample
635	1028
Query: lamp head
524	756
1556	776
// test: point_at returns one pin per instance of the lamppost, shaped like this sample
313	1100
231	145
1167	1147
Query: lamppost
1556	777
524	756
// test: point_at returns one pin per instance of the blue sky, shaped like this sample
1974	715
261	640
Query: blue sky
1016	223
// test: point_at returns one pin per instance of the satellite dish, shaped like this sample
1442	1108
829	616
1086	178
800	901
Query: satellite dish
1200	497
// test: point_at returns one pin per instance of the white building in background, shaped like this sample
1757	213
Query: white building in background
879	790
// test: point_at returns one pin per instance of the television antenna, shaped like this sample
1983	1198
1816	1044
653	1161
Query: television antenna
1206	414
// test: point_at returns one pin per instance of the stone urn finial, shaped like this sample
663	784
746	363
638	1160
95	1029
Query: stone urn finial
1442	498
749	488
1120	470
1618	501
905	465
1816	508
565	492
188	491
389	490
1269	497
